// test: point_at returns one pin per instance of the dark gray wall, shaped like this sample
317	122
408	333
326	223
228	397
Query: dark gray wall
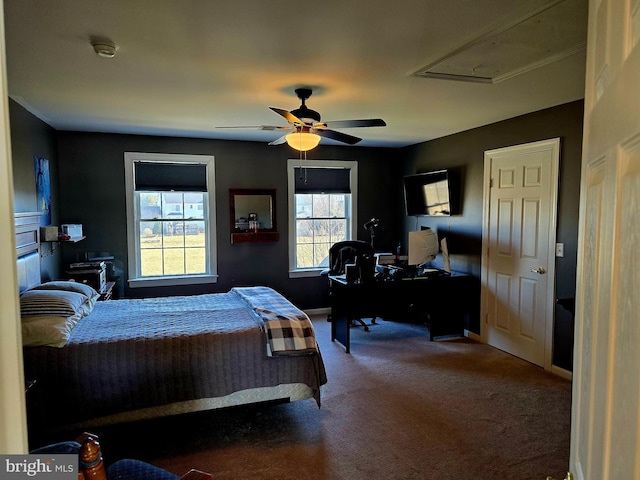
30	138
466	151
88	187
93	194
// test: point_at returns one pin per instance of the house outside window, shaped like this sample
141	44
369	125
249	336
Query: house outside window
322	211
170	219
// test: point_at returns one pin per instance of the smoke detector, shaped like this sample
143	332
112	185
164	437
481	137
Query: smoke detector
104	48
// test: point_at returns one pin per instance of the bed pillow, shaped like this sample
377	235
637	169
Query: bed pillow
82	288
47	331
88	291
52	303
87	307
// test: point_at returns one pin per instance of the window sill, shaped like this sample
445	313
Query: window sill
169	281
308	272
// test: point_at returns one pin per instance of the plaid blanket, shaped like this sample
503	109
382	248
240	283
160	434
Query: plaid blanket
289	331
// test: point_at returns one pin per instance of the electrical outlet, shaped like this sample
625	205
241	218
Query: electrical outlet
559	249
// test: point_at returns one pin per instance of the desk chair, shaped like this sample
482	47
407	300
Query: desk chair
91	466
347	252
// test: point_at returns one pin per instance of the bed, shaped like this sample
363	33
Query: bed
119	360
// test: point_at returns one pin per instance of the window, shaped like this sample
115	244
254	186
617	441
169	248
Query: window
322	206
170	219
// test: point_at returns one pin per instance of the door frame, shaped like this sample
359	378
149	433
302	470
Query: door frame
13	415
554	145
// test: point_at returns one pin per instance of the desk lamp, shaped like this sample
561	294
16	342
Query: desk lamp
371	225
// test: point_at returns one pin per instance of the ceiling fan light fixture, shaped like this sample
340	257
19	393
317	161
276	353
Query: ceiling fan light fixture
303	141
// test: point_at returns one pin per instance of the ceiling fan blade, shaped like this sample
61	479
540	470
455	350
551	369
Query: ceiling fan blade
262	127
279	141
290	117
341	137
372	122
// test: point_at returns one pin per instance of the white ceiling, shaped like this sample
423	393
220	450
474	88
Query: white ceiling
184	67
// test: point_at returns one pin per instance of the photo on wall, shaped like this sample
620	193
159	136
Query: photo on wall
43	190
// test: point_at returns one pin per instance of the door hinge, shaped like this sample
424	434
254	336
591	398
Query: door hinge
486	318
491	183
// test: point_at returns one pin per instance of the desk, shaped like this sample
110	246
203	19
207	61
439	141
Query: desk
439	300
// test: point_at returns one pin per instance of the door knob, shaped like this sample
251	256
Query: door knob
540	270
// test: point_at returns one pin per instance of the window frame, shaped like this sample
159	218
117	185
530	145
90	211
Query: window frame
135	280
351	223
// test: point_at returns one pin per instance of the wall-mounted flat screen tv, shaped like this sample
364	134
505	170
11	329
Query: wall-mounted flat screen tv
431	194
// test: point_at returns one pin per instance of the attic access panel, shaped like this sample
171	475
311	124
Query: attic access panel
552	32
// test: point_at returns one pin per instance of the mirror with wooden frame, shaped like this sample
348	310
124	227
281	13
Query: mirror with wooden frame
253	215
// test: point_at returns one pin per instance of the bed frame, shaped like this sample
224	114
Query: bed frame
27	230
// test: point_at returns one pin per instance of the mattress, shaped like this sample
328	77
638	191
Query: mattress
146	354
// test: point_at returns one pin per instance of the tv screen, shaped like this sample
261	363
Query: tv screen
429	194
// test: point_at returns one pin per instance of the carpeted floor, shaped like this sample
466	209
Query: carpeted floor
398	407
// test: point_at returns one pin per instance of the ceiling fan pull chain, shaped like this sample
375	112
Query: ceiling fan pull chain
305	169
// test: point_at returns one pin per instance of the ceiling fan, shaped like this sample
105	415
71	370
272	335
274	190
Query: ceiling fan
305	126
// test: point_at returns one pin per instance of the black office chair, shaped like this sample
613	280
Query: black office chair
352	252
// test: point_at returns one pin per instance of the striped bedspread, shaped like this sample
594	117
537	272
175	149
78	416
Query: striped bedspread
288	330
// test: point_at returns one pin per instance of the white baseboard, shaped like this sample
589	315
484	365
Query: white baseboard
318	311
561	372
472	336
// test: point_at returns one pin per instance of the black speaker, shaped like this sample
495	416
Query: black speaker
351	272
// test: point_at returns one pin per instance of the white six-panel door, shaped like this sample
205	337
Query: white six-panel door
605	435
518	249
